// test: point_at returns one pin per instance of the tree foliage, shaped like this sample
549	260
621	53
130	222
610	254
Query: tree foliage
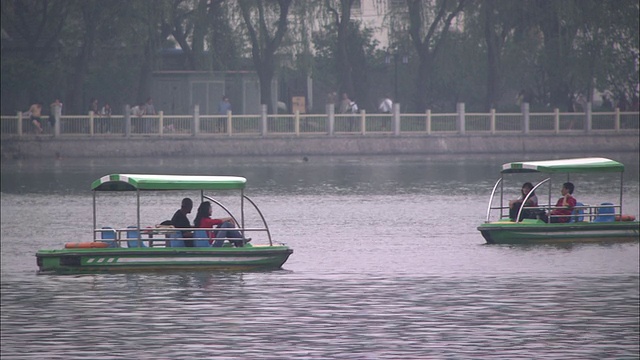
265	39
429	28
482	53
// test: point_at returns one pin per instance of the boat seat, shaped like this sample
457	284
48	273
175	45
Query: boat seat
133	234
109	237
175	239
606	213
204	239
577	214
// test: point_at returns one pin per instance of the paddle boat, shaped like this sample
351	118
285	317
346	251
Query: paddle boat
603	222
162	247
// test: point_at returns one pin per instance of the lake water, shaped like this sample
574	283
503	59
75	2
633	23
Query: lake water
387	264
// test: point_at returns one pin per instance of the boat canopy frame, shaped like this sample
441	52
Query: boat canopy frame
151	182
561	166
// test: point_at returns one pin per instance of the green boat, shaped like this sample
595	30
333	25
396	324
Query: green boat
604	222
161	247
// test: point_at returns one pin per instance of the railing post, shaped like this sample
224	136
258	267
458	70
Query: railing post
525	118
396	119
196	119
229	122
616	123
492	126
297	123
331	109
91	119
556	120
263	119
57	118
588	125
19	124
127	121
363	121
461	124
161	122
428	121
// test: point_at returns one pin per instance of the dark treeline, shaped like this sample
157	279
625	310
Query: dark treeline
487	54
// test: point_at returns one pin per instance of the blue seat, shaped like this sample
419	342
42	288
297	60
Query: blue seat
577	214
175	239
203	242
133	234
109	237
606	213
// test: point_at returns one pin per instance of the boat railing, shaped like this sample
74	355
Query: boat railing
255	206
529	194
158	236
603	212
490	207
581	213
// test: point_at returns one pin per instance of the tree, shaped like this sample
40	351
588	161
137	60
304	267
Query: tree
494	37
90	12
344	67
263	44
32	30
610	43
188	26
427	41
223	42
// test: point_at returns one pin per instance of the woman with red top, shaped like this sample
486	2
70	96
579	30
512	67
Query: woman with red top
203	220
564	206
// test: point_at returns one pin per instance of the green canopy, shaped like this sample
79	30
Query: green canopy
130	182
581	165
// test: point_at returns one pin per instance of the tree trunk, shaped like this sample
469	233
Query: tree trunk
343	65
421	98
493	55
263	46
265	74
74	97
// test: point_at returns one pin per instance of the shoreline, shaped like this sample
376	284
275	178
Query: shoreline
563	144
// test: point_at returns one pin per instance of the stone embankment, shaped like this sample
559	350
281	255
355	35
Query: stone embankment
320	145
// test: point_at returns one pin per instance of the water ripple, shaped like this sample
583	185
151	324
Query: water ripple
203	315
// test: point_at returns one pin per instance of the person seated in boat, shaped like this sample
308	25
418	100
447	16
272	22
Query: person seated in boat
564	207
203	220
180	220
532	201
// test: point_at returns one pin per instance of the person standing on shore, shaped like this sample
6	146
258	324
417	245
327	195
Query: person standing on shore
56	112
149	109
345	104
223	108
385	105
93	106
106	113
35	113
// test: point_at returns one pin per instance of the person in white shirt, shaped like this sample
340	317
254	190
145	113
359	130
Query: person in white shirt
138	110
353	107
385	105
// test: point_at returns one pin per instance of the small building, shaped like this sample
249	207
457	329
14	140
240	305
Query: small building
177	91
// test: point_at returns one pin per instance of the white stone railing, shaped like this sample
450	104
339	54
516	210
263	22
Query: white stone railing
329	124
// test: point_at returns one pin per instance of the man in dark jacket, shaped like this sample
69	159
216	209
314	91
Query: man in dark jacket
180	220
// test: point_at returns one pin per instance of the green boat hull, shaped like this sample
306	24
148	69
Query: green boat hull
101	260
531	231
